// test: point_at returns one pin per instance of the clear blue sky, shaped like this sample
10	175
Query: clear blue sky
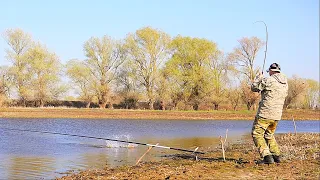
65	25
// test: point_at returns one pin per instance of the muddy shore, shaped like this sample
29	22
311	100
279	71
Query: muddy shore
147	114
300	160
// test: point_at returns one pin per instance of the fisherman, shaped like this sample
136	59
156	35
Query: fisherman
274	90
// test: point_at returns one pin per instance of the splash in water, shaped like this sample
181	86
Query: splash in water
114	144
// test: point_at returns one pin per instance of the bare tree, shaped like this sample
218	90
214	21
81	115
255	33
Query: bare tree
297	86
248	97
244	57
245	54
234	97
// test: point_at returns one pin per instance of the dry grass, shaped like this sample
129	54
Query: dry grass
146	114
300	146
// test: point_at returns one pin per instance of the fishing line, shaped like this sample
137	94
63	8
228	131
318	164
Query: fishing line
101	138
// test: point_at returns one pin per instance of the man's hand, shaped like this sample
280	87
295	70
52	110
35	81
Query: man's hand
256	85
259	75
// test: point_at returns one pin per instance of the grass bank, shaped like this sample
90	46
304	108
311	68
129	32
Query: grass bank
300	160
146	114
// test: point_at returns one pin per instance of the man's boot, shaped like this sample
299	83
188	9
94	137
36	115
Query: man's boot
276	158
268	159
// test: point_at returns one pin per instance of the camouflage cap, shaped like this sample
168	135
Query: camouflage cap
274	67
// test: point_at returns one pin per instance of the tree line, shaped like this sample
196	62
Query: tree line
146	66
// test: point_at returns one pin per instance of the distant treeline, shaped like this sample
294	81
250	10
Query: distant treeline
82	104
146	66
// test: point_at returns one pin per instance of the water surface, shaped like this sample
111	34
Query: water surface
26	155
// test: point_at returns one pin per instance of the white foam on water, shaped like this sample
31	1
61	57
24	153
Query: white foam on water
115	144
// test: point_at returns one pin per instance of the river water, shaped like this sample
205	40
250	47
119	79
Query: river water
31	155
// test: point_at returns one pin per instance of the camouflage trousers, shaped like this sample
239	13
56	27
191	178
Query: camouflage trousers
263	136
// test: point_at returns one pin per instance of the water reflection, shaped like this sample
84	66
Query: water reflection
93	160
33	155
30	167
119	156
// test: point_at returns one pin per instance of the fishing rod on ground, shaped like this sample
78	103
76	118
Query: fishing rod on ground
107	139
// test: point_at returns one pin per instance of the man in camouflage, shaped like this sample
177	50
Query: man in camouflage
274	90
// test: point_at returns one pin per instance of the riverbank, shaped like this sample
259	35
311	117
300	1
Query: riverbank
300	160
147	114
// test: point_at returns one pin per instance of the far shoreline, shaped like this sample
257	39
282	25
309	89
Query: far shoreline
83	113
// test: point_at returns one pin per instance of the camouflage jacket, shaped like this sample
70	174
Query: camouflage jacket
274	90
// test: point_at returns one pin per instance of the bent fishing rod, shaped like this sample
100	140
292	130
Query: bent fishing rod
101	138
266	49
